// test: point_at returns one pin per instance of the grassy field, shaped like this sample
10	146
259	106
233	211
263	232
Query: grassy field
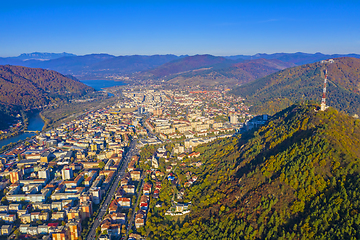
69	111
124	110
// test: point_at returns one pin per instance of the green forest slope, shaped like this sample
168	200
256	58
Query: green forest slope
279	90
297	177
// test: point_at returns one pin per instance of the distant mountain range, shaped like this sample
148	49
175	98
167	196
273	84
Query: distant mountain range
37	56
166	67
298	58
132	64
73	65
279	90
92	66
43	56
25	88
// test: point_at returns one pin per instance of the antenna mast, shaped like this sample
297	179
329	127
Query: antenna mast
323	106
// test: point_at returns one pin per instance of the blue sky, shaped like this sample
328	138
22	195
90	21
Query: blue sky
179	27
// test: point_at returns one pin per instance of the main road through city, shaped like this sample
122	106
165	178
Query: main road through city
134	207
120	174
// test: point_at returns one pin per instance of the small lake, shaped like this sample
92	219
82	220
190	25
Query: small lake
35	124
100	84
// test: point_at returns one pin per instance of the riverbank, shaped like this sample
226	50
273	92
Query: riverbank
47	121
35	123
19	128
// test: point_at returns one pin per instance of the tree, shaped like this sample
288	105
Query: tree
98	230
130	213
4	201
101	165
141	230
17	233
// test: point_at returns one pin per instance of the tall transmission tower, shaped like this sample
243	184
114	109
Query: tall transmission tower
323	106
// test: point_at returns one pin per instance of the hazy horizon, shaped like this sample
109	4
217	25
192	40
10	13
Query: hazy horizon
94	53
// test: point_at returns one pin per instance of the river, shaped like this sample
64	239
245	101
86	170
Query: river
35	121
35	124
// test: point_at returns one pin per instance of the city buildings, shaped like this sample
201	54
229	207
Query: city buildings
63	174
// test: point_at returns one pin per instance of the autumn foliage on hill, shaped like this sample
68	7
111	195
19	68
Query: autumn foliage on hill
255	69
25	88
187	64
29	87
296	177
225	71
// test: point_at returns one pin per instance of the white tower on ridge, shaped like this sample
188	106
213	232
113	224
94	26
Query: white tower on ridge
323	106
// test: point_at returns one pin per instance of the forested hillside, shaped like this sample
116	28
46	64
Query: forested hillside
25	88
279	90
297	177
229	73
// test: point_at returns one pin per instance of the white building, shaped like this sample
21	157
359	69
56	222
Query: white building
154	162
67	173
96	194
233	119
44	173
